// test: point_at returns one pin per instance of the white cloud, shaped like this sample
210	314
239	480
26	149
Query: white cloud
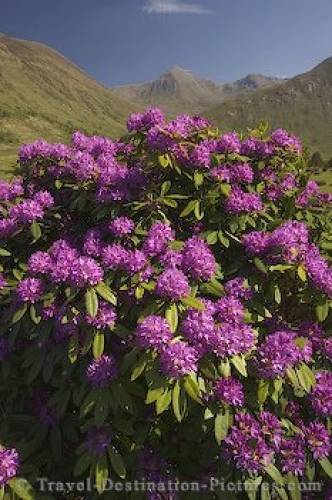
173	7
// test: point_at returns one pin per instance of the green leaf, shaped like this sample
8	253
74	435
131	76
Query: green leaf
19	314
213	287
277	385
251	487
163	402
4	252
101	408
106	293
193	303
198	214
275	474
327	466
153	395
198	178
179	402
101	474
34	316
189	208
225	188
260	265
164	160
172	317
22	488
82	464
117	463
139	369
35	230
212	238
263	391
265	491
91	302
192	388
222	424
281	492
277	294
292	375
306	377
98	345
240	364
165	187
294	487
302	274
322	311
223	240
73	348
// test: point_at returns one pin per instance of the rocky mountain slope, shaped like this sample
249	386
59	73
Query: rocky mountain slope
179	90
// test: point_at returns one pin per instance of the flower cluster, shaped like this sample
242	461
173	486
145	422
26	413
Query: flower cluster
290	242
164	302
101	371
279	351
9	464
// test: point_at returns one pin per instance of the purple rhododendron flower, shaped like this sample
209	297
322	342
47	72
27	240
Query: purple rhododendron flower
106	317
153	333
93	243
279	351
230	391
157	239
101	371
114	256
198	260
9	464
240	201
178	360
229	310
318	439
321	395
292	455
84	272
98	440
121	226
172	284
30	290
239	289
40	263
26	212
232	338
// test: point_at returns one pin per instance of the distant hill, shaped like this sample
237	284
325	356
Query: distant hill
302	104
178	90
43	94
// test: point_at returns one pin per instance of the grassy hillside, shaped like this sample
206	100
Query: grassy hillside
42	94
302	105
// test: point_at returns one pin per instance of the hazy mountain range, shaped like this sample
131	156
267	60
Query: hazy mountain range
179	89
43	94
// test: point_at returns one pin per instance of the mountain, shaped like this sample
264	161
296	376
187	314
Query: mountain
302	104
178	90
43	94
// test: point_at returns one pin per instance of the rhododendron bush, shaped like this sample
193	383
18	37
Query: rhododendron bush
165	314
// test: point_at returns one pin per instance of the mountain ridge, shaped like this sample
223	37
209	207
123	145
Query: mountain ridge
178	88
302	104
44	94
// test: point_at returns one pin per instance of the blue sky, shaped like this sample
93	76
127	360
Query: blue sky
122	41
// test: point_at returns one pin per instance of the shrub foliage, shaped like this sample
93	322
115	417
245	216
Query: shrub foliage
165	312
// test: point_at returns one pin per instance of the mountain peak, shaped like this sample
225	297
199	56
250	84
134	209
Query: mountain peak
177	73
